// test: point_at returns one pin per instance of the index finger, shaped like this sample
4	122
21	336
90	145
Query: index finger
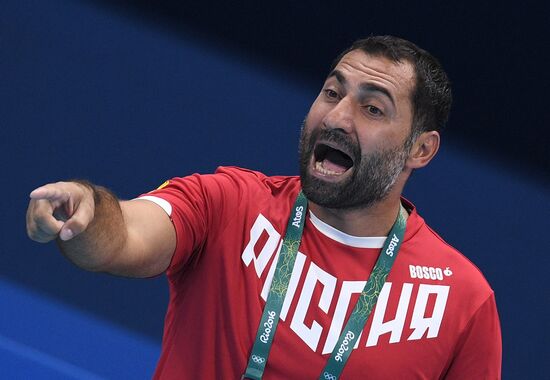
50	192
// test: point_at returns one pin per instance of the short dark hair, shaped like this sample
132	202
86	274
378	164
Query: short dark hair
431	96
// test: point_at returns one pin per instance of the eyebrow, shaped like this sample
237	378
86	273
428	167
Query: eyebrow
363	87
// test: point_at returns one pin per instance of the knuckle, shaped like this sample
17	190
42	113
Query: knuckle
44	238
39	236
39	205
31	232
89	209
29	214
41	218
79	224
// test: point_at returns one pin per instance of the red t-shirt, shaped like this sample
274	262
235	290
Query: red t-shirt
435	318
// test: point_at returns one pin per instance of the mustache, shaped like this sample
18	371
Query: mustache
338	138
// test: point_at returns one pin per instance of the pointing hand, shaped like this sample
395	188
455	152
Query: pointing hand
63	209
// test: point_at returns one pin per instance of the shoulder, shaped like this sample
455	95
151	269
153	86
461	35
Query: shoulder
252	184
226	180
428	252
239	174
229	189
464	268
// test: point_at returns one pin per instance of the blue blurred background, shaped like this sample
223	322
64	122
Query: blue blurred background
130	93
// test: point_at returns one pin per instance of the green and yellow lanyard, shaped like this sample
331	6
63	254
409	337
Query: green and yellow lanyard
279	285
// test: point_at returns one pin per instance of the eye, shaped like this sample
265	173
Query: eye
374	111
331	94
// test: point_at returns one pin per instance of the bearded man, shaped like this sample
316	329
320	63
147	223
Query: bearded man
330	274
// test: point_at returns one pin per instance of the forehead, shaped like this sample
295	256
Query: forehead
360	67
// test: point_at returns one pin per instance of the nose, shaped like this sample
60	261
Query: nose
341	116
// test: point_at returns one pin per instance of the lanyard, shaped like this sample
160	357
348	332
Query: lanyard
279	286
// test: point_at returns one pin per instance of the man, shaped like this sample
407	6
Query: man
219	238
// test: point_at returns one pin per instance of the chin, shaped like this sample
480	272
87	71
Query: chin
350	191
327	192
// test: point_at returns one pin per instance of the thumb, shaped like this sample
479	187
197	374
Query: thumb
66	233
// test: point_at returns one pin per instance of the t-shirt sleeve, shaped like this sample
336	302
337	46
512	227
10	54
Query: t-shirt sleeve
479	350
199	206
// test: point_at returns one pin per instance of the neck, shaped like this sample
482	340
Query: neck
375	220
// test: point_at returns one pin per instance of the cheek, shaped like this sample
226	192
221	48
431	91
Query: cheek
316	115
377	140
370	139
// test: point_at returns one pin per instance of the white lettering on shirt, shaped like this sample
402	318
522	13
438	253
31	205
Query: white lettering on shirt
420	323
382	324
311	335
260	226
348	288
428	273
395	326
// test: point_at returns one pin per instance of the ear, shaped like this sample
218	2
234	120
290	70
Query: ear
423	150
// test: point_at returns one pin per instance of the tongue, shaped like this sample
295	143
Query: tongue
333	167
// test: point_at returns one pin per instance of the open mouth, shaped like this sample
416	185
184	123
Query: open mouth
330	161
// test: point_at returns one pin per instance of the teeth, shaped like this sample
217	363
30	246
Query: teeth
320	168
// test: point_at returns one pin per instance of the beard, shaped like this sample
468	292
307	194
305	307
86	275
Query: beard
373	177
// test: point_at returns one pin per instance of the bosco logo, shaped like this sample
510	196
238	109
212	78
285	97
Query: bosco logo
429	273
